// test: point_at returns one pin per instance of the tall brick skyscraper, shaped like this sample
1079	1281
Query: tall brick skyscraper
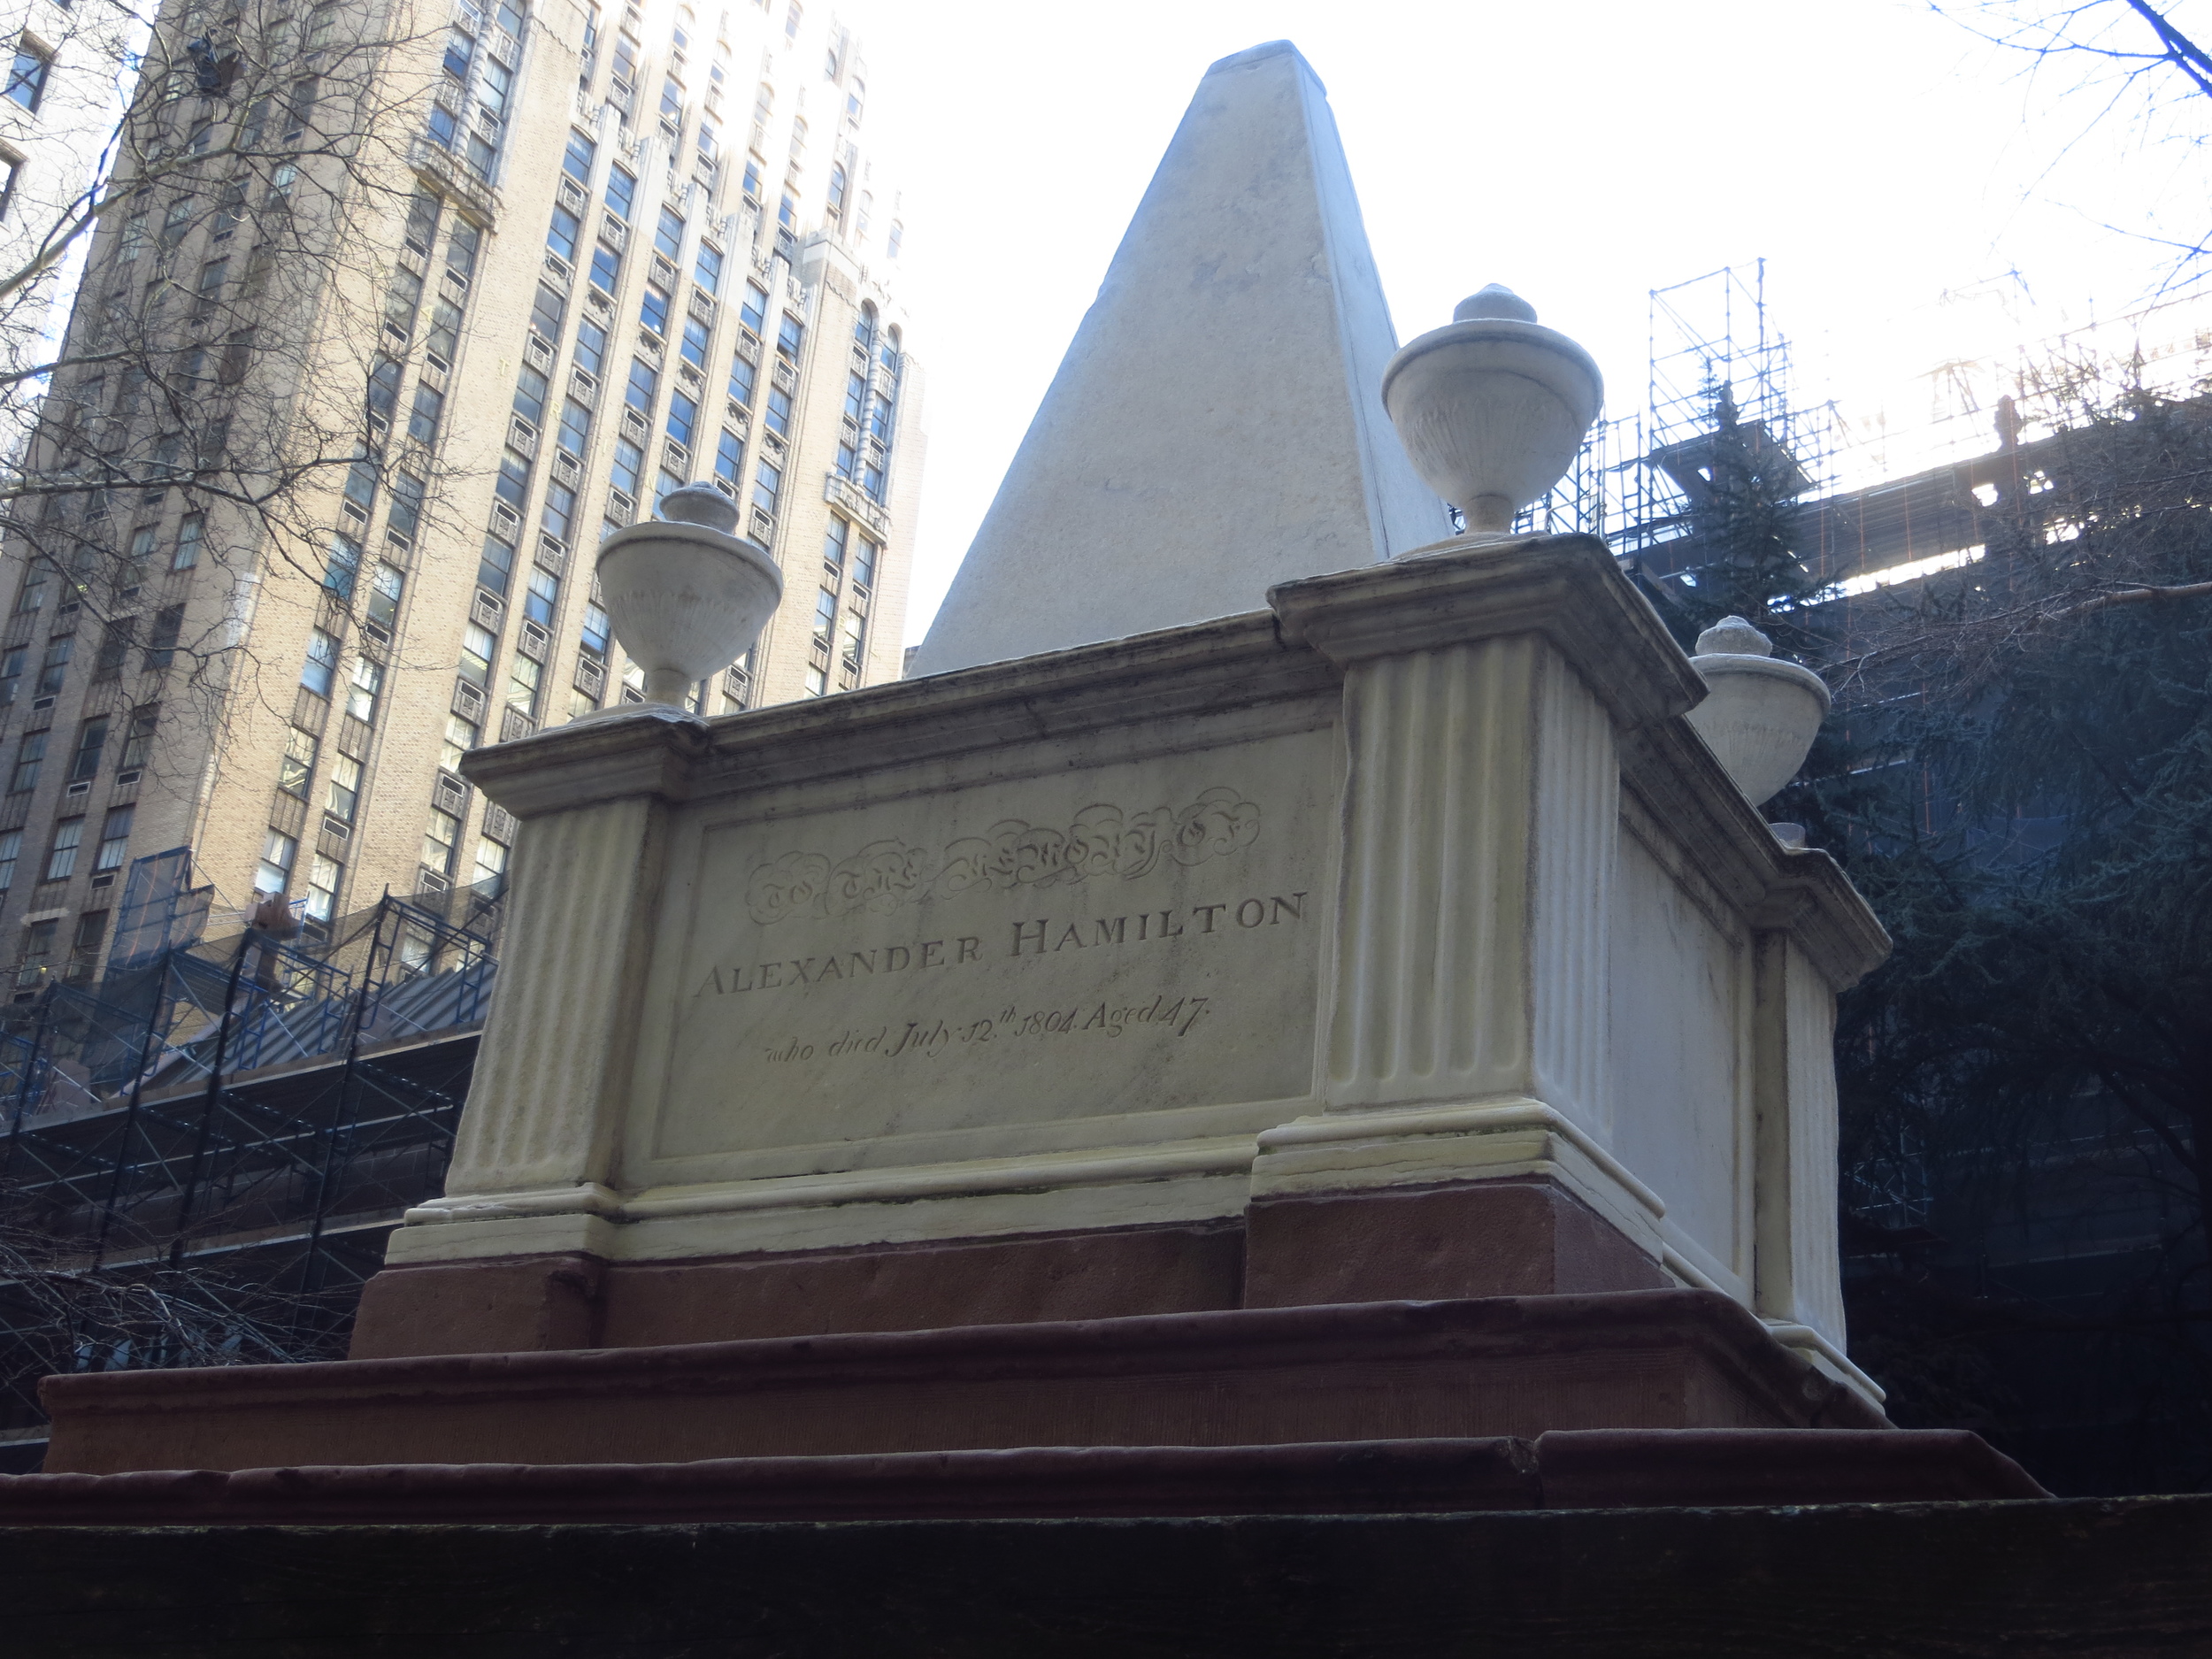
373	360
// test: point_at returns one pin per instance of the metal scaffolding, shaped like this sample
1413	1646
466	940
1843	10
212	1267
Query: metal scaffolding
1718	372
206	1150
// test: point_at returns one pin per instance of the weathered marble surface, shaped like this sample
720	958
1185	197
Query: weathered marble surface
1419	878
1217	425
1132	937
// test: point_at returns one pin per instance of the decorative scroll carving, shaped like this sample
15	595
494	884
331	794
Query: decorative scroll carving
1102	841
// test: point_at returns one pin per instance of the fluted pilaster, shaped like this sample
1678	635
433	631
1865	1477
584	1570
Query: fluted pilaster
547	1099
1472	950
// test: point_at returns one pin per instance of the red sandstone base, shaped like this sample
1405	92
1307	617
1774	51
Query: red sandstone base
1515	1366
1527	1236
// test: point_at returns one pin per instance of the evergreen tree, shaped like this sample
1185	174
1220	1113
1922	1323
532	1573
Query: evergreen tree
2027	802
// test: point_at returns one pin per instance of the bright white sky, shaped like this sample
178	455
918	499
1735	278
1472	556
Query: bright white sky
1581	151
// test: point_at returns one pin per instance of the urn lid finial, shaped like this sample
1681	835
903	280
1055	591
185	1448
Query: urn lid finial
1735	637
1496	300
700	505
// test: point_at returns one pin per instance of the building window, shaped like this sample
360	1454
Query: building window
460	52
595	633
694	348
591	347
61	858
564	232
343	568
344	794
460	252
444	337
27	762
825	615
273	874
11	663
729	456
115	838
629	462
789	337
683	418
115	649
668	234
606	268
385	590
833	540
644	383
837	191
494	569
752	311
864	552
513	484
141	556
530	389
438	842
767	484
653	312
891	242
491	866
577	162
817	680
138	742
558	511
187	553
323	877
27	81
707	269
10	850
422	223
543	599
575	428
743	378
92	739
853	633
38	951
322	665
297	770
523	677
477	647
361	485
55	666
494	89
461	736
779	416
406	517
621	189
422	420
368	683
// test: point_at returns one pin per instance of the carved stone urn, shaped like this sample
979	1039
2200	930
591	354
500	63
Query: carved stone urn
1492	408
687	596
1762	713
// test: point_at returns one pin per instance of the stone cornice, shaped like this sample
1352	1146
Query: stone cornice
1566	588
644	749
1210	668
1179	674
1804	893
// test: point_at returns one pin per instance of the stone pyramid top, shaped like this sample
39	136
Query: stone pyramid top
1217	425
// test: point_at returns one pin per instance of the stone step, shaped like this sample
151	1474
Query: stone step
1506	1365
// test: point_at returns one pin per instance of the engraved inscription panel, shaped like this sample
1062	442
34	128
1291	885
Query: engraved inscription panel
1125	938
